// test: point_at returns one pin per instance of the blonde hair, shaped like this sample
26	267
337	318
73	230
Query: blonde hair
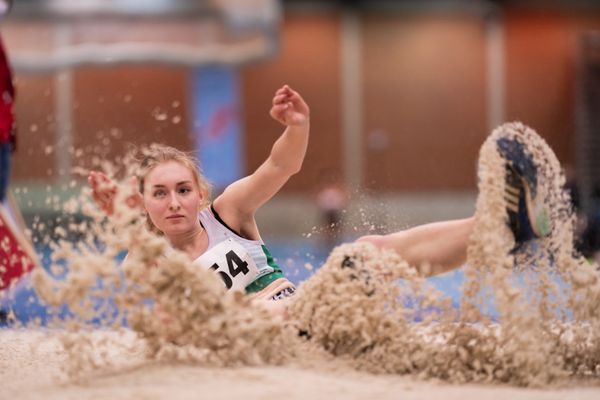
150	157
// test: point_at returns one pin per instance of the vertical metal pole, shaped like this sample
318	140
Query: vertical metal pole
495	69
63	85
351	93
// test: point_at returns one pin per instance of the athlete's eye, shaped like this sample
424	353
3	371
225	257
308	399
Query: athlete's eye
159	193
184	190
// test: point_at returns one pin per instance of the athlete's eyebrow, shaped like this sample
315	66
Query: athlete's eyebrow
159	185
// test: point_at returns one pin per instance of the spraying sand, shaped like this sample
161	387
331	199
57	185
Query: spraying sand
364	324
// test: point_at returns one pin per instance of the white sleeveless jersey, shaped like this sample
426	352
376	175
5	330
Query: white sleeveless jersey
243	264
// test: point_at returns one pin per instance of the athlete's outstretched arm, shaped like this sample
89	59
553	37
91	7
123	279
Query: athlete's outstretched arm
432	248
241	199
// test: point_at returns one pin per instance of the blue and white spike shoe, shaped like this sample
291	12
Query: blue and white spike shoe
528	216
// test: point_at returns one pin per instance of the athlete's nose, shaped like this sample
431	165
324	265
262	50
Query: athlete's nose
174	203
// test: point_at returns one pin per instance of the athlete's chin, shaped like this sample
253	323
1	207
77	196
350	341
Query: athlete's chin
176	229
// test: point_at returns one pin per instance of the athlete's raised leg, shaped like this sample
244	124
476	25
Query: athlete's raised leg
442	246
432	248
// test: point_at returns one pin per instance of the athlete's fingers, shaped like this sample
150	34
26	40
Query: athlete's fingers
281	90
279	99
99	176
103	190
97	190
93	178
91	181
289	90
100	181
135	199
277	111
297	100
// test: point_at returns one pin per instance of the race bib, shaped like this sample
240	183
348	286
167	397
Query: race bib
232	262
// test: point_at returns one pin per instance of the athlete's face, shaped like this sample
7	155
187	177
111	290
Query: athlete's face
172	198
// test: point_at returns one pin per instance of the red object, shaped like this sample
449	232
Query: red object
7	95
15	257
220	120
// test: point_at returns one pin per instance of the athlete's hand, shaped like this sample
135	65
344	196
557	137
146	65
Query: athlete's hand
135	198
289	108
104	191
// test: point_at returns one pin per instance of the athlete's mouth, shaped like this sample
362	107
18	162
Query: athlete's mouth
175	216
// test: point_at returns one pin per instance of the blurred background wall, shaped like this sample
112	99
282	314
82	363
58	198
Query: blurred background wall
402	94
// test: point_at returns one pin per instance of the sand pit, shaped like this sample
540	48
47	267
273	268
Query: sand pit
365	324
33	374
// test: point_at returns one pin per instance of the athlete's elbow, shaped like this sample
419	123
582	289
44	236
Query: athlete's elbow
295	168
290	168
285	167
